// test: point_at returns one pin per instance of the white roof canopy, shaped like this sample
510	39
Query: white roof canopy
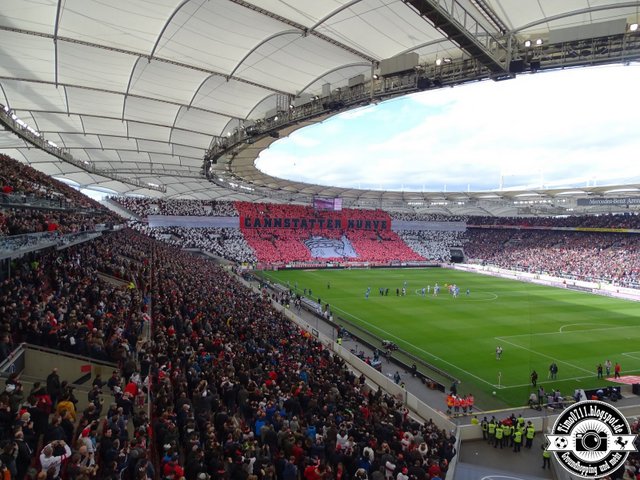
143	87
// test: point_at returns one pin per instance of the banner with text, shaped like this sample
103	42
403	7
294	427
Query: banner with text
593	202
324	222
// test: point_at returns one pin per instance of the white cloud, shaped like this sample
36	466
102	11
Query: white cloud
358	112
558	128
302	139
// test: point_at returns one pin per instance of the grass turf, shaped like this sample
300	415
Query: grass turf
535	325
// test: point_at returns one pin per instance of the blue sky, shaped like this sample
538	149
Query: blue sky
560	129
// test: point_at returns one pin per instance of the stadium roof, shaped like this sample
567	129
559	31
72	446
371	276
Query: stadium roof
138	91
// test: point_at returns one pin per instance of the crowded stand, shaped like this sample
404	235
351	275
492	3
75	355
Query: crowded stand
228	243
609	257
142	207
433	245
257	396
55	299
612	220
64	210
19	179
277	233
238	390
621	220
278	246
384	246
426	217
14	221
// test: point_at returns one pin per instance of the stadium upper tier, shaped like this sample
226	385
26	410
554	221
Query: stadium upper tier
178	100
579	247
143	207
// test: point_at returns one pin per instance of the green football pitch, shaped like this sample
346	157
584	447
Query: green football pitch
534	325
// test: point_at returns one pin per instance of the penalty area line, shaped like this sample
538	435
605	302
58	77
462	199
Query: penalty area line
542	355
546	382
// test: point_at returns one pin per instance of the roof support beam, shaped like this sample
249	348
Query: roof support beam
42	144
259	44
126	94
166	25
336	69
422	45
66	99
103	90
55	40
457	23
137	54
258	104
84	131
6	99
104	117
333	13
118	149
304	29
582	11
159	173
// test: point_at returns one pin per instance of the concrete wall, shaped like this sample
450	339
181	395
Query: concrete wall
40	363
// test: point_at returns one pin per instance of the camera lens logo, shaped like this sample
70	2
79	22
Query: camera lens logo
591	439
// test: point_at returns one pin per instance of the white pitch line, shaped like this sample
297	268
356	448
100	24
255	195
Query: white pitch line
565	333
502	387
606	327
413	346
628	354
543	355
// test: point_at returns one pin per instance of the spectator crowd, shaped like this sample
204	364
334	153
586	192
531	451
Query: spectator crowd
433	245
18	178
228	243
65	209
367	231
237	390
607	257
142	207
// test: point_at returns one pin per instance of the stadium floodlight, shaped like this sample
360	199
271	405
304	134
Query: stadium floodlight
527	43
376	76
633	27
438	61
539	41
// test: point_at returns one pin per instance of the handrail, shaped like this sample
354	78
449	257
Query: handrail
15	245
11	358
